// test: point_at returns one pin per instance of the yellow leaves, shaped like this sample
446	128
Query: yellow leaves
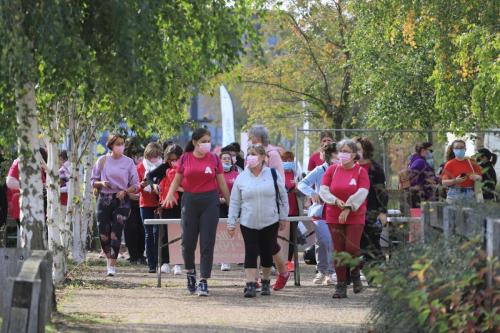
409	29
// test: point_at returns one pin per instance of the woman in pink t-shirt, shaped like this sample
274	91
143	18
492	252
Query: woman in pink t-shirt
230	174
200	173
344	189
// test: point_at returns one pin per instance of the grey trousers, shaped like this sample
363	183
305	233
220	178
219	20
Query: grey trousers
200	216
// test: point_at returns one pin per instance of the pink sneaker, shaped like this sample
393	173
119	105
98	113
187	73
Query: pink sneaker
281	281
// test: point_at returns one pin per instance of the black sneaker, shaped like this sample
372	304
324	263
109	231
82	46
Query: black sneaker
249	290
203	288
266	288
191	282
152	270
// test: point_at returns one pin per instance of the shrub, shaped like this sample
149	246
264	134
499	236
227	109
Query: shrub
436	288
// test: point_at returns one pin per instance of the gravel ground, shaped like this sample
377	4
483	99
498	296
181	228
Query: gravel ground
130	302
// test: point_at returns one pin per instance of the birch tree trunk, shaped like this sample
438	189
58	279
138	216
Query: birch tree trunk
88	207
31	196
54	216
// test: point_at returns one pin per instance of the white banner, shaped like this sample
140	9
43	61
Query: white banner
226	107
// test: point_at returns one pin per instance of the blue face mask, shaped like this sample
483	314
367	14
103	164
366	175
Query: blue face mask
288	166
226	167
459	153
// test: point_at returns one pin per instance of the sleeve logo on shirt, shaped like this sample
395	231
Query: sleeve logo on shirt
208	170
353	182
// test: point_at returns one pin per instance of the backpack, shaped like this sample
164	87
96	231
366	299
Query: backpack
276	190
404	177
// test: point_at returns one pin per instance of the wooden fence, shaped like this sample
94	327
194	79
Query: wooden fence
26	290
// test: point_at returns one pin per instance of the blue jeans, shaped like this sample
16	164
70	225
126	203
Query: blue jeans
151	238
324	247
460	194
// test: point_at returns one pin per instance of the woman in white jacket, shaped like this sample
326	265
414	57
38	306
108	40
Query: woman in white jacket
260	201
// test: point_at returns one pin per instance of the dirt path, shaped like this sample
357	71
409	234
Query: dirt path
130	302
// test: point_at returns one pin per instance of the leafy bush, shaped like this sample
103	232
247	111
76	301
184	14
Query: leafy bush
436	288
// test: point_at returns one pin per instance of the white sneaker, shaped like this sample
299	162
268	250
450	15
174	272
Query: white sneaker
111	271
177	270
165	268
225	267
320	278
329	279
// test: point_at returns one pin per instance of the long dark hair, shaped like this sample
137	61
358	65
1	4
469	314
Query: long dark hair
492	158
328	151
197	135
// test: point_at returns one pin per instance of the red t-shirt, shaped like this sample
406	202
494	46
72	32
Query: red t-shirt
199	174
146	199
290	185
343	183
314	161
454	168
13	195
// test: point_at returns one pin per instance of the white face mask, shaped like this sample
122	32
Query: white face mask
252	161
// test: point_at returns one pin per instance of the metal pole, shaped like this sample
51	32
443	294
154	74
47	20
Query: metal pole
158	262
296	271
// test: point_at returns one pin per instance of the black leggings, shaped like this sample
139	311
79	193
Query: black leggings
259	243
112	214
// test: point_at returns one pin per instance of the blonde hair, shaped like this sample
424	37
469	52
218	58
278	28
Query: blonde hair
258	149
153	149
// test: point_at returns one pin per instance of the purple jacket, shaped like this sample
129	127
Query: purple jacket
120	173
422	176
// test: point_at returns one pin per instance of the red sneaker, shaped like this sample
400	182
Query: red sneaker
291	266
281	281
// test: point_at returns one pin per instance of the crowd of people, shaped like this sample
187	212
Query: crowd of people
343	191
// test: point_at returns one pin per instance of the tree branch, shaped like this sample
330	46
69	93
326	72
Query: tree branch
312	54
290	90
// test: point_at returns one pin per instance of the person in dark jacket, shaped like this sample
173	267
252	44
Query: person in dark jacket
423	179
487	161
377	202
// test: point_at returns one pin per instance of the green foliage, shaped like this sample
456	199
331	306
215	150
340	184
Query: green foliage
436	288
303	69
137	61
428	64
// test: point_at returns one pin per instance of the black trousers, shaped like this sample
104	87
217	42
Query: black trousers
259	243
134	233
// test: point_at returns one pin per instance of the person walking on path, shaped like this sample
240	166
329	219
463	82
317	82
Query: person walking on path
422	175
259	135
115	176
326	137
344	189
459	174
376	207
149	202
201	174
310	186
263	203
230	174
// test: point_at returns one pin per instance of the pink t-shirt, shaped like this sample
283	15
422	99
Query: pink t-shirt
343	183
230	177
314	161
199	174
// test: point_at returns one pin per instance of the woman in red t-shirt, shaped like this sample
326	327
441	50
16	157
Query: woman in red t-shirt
293	203
459	173
201	174
344	189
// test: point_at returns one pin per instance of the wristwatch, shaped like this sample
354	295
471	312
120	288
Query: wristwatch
348	207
